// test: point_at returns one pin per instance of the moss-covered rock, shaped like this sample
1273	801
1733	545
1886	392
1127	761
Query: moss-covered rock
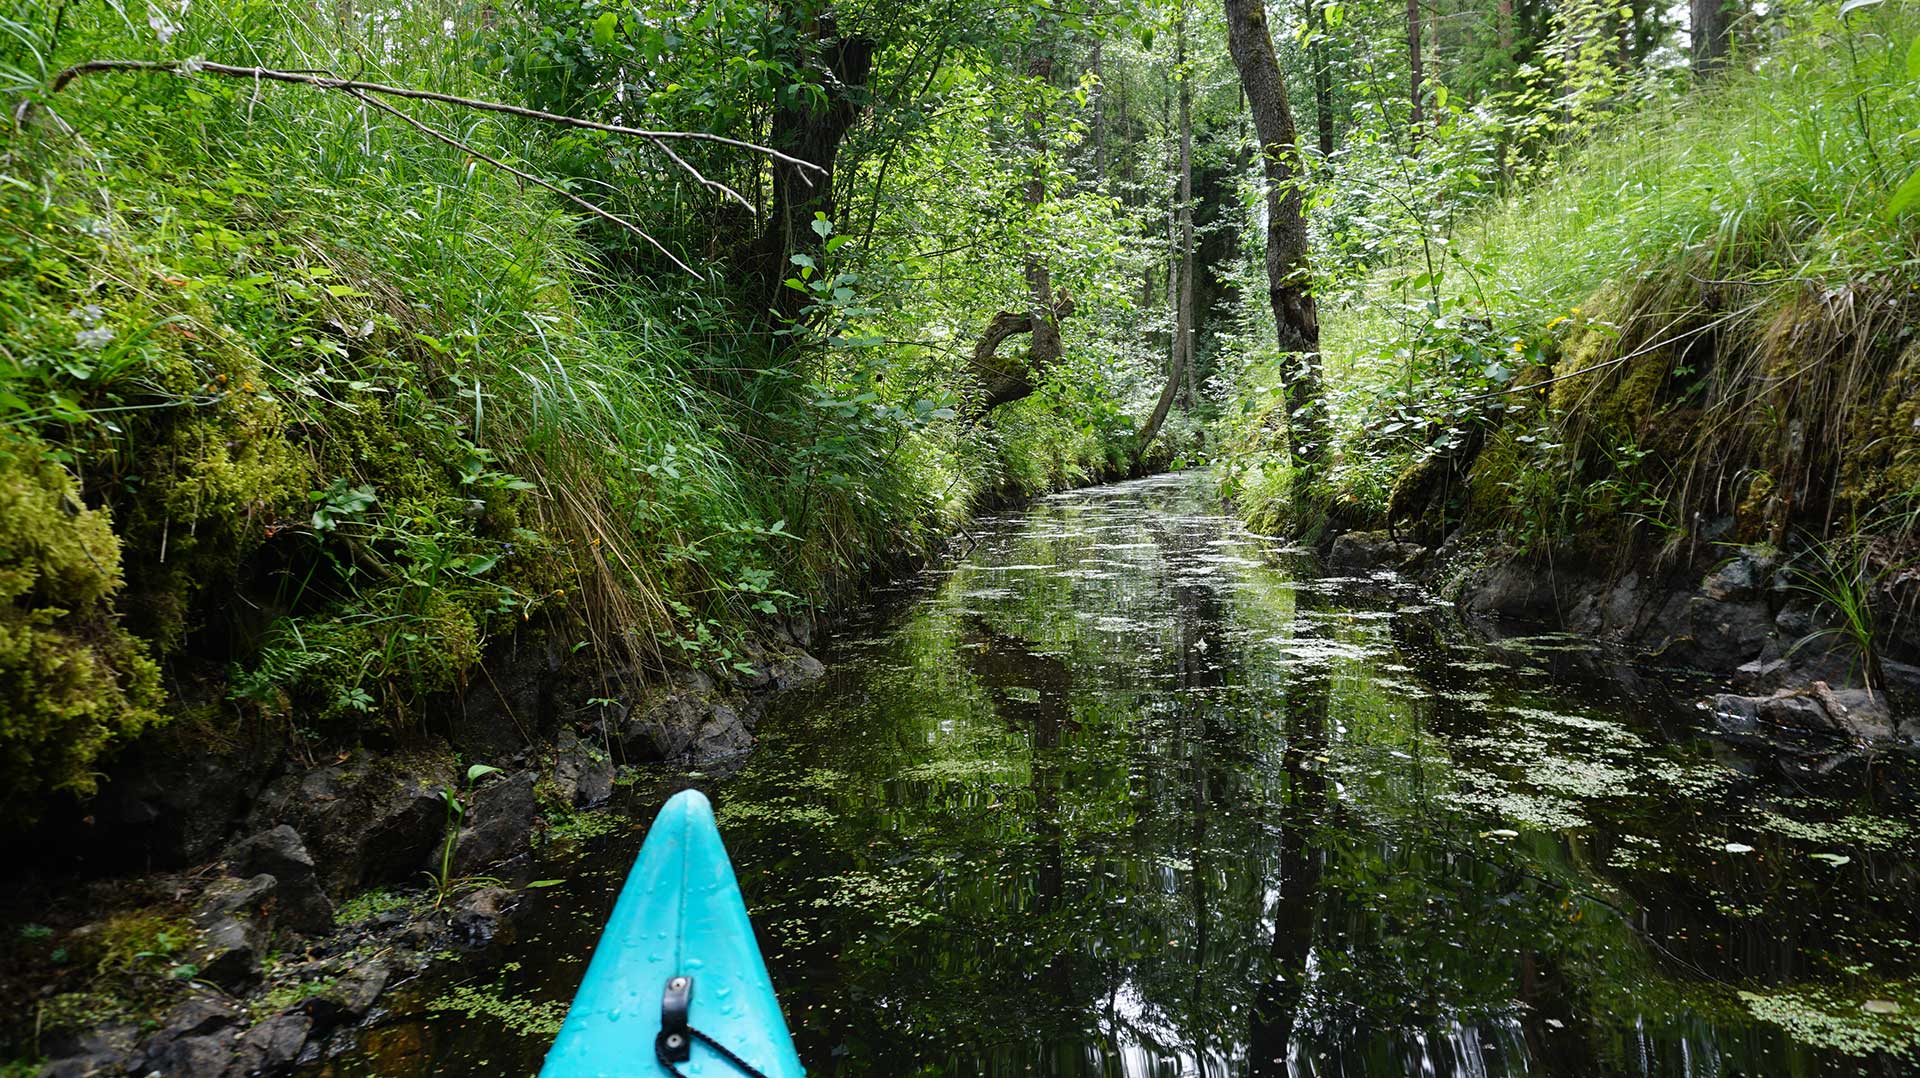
72	682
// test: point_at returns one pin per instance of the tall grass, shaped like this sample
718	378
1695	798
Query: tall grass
400	405
1712	283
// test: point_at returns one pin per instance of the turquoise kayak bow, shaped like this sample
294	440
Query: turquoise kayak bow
677	985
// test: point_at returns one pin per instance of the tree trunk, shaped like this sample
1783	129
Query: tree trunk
1040	299
1289	288
811	132
1323	77
1181	290
1414	71
1712	34
1099	111
1006	381
1003	381
1506	28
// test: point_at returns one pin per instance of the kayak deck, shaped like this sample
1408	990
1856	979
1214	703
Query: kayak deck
680	914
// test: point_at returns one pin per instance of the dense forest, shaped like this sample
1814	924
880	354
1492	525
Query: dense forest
412	385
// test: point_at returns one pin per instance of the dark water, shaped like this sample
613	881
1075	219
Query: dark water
1132	791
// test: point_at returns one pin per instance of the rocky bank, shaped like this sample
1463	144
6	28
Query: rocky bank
230	914
1741	615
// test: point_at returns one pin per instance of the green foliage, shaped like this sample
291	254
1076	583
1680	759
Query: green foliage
372	903
1602	329
141	942
1841	577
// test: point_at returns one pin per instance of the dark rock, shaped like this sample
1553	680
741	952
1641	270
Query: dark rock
477	916
689	681
797	669
1852	713
1374	551
1726	634
1795	620
351	995
1858	712
366	821
229	952
108	1050
722	734
178	808
1746	576
419	932
1763	676
799	630
194	1038
1904	678
1514	591
239	896
582	774
199	1055
661	729
498	823
233	930
271	1045
1623	604
279	851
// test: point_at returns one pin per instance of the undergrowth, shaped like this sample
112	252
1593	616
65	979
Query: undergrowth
302	410
1697	328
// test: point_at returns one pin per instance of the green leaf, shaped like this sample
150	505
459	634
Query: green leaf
821	225
603	28
547	883
1852	6
1904	195
1913	59
477	771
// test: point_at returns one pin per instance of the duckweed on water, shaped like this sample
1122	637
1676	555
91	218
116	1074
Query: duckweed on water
888	894
1871	832
1540	811
774	812
1883	1021
577	826
523	1016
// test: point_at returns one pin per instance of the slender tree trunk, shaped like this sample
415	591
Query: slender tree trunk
1712	35
1414	70
1180	290
1040	299
1506	28
1099	111
1185	324
1289	287
1323	77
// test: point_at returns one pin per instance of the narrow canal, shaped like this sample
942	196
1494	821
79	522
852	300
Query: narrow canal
1128	790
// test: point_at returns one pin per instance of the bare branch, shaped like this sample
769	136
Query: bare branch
695	173
328	81
529	178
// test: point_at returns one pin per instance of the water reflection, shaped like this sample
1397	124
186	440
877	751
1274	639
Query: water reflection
1126	792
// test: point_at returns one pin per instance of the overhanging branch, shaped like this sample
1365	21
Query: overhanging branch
328	81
